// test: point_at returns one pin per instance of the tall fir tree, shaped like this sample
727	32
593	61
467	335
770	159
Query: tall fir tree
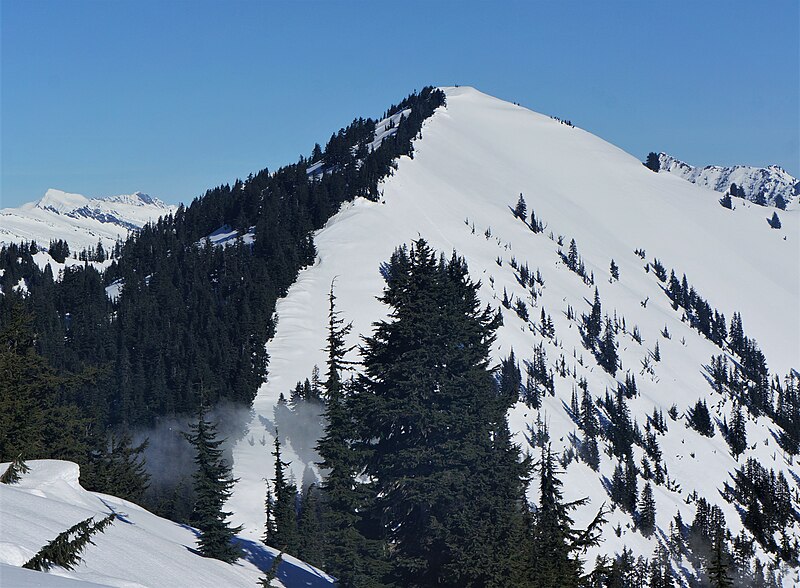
449	482
213	485
285	506
556	545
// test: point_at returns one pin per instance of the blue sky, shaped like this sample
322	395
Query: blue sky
173	98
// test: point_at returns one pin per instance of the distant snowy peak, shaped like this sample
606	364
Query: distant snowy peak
78	220
762	185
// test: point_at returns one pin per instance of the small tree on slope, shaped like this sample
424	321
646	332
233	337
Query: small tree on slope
14	471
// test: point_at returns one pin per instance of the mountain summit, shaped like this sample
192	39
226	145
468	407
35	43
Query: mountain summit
78	220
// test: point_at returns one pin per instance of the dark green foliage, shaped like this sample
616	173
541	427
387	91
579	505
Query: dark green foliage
59	250
284	510
14	471
717	572
607	350
593	323
647	511
700	419
118	469
272	572
774	221
614	270
556	544
188	311
213	486
736	434
310	541
65	550
434	424
652	162
521	209
726	202
766	506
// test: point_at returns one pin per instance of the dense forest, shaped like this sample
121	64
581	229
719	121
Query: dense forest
191	320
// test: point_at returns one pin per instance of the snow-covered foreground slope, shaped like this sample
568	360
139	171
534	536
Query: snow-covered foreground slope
474	159
771	181
138	550
78	220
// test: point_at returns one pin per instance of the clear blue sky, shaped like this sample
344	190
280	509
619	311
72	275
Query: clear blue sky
172	98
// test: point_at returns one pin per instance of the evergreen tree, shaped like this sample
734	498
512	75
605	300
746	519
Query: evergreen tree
14	471
65	550
614	270
647	511
652	162
434	421
726	202
700	419
594	322
284	510
774	222
607	351
717	571
310	546
737	432
348	554
272	572
213	486
521	209
557	545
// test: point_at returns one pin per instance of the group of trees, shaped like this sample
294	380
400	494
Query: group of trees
423	484
188	312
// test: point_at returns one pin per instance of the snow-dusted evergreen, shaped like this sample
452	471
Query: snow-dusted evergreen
768	186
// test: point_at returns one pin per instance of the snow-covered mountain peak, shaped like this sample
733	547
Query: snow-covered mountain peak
78	220
475	157
61	202
769	186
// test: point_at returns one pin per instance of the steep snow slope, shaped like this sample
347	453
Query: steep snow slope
770	181
138	550
78	220
474	159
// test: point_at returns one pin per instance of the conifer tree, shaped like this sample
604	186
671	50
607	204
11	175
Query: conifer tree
717	572
647	510
65	550
14	471
439	448
213	486
607	351
284	509
556	544
614	270
594	322
521	209
737	432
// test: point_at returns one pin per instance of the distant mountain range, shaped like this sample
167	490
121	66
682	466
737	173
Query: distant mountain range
767	186
79	220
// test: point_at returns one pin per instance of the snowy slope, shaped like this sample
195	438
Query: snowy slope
138	550
78	220
770	181
475	158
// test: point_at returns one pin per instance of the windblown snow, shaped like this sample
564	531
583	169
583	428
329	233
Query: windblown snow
474	159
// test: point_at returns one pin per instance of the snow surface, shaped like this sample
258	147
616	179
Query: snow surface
138	550
78	220
771	181
478	154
